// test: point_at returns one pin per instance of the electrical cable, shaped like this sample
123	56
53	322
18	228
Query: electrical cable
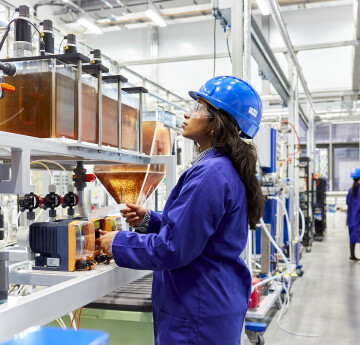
61	324
61	44
228	49
78	325
47	168
34	32
71	316
9	26
72	320
214	47
297	136
53	162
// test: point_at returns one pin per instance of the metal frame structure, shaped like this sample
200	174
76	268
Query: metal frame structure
67	291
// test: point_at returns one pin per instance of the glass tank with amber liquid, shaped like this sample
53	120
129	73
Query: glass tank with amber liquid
42	104
135	183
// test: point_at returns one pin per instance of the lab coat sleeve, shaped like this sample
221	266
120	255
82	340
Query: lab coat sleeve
155	222
191	219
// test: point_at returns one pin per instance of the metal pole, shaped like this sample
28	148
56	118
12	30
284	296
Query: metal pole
100	108
237	38
79	100
53	98
140	122
291	142
330	159
247	40
279	22
297	156
119	114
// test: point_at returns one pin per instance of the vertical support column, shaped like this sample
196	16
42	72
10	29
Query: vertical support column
119	113
140	121
330	159
20	173
99	112
79	100
296	157
237	38
53	98
247	40
291	143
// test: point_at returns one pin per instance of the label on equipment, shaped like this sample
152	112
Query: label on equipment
53	261
252	111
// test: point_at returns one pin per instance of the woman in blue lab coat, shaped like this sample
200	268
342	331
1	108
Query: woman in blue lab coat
201	286
353	202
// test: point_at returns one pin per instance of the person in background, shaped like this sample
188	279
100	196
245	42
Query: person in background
201	286
353	218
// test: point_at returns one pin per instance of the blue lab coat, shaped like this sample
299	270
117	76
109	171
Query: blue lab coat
353	218
201	286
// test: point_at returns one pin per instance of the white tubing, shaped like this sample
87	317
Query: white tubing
285	211
53	162
13	267
302	224
288	266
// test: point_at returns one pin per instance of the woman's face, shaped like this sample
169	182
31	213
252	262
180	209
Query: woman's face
197	123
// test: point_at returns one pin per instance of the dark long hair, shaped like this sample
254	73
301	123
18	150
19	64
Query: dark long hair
355	187
226	139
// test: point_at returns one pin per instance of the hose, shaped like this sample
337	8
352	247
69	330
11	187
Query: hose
286	214
302	224
81	204
288	266
17	265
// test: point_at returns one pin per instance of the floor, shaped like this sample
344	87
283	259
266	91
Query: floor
326	299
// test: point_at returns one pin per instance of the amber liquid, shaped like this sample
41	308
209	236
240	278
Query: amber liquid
124	182
90	124
129	125
27	110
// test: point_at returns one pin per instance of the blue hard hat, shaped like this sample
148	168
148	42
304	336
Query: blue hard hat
355	173
236	97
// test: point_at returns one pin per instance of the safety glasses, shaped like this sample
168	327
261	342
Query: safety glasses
198	110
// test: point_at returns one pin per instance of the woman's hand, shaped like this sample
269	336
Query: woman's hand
134	214
104	241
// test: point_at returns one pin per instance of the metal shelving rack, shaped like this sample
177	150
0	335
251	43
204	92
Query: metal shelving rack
66	290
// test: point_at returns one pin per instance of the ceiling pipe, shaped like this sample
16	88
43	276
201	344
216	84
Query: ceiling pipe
279	22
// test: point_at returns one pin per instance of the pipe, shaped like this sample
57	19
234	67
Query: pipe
247	41
302	224
17	265
279	22
81	204
288	266
286	214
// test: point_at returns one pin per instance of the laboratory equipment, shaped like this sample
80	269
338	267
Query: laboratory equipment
135	183
62	245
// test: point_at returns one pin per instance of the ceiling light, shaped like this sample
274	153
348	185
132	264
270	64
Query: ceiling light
263	7
90	26
66	1
103	21
119	2
155	17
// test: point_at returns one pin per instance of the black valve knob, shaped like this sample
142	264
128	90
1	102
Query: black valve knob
70	200
51	201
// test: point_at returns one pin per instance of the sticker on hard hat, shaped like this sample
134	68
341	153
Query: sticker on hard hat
252	111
